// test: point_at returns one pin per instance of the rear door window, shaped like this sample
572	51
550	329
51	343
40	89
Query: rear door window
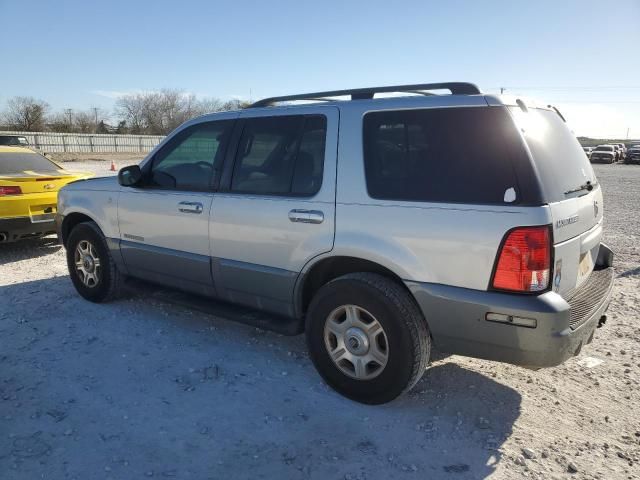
453	155
281	155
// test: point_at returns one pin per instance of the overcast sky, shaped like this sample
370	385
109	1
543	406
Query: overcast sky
581	55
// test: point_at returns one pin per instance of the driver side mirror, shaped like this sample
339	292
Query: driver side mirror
129	176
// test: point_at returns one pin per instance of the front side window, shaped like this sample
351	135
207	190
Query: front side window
457	155
191	158
280	156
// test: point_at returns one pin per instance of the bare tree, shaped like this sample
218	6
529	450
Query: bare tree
59	122
131	108
208	105
235	104
26	113
84	122
161	112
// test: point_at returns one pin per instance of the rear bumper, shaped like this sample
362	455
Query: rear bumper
21	227
457	320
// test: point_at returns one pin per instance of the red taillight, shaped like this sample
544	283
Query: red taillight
524	262
9	190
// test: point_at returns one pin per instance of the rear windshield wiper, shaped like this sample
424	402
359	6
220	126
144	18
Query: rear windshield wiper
588	186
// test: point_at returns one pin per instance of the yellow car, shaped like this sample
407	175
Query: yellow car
29	185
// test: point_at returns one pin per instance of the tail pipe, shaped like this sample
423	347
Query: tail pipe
3	237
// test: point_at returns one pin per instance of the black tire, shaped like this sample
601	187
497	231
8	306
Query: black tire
109	278
407	334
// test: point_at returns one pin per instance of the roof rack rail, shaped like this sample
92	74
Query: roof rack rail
456	88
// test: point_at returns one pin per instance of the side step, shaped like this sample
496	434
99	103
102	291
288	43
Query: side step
218	308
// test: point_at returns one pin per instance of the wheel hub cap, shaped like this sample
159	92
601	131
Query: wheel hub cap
356	342
87	263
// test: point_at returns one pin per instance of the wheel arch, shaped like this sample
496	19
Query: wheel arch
70	221
323	270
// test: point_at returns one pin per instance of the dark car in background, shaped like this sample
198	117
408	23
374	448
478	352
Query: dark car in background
14	140
633	154
604	154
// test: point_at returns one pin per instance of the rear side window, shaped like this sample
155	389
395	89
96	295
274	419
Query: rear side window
556	152
456	155
280	156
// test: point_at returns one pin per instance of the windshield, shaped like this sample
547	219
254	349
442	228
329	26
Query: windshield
604	149
558	157
12	163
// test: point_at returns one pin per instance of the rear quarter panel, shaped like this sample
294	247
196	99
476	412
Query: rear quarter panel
452	244
447	244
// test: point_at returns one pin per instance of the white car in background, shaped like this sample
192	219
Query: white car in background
604	154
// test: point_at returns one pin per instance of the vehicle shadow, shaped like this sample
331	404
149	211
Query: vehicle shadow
28	248
630	273
142	378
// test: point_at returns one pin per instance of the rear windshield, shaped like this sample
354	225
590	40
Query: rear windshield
12	163
561	163
452	155
604	149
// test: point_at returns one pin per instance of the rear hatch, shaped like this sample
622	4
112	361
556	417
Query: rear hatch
571	189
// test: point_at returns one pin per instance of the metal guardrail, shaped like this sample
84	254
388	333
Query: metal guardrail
89	142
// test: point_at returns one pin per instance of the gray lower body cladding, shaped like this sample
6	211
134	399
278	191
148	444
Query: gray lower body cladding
457	320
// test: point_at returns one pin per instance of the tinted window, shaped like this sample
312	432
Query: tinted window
190	158
11	163
442	155
556	152
280	156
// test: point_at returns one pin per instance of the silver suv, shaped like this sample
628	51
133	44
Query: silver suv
378	226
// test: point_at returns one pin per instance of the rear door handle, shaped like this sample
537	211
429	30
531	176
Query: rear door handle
190	207
306	216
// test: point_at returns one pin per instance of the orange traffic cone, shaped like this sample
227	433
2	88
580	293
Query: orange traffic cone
113	166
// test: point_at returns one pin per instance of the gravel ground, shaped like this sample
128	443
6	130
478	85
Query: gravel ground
139	388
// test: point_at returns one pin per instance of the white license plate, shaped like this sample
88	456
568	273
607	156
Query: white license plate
586	265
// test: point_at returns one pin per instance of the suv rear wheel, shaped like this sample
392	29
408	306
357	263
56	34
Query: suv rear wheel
367	337
91	267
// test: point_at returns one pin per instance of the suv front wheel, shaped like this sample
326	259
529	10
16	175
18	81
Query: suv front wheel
367	337
91	267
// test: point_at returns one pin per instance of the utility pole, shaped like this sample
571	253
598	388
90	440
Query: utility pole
68	111
627	133
95	115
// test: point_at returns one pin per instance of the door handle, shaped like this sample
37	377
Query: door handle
306	216
190	207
